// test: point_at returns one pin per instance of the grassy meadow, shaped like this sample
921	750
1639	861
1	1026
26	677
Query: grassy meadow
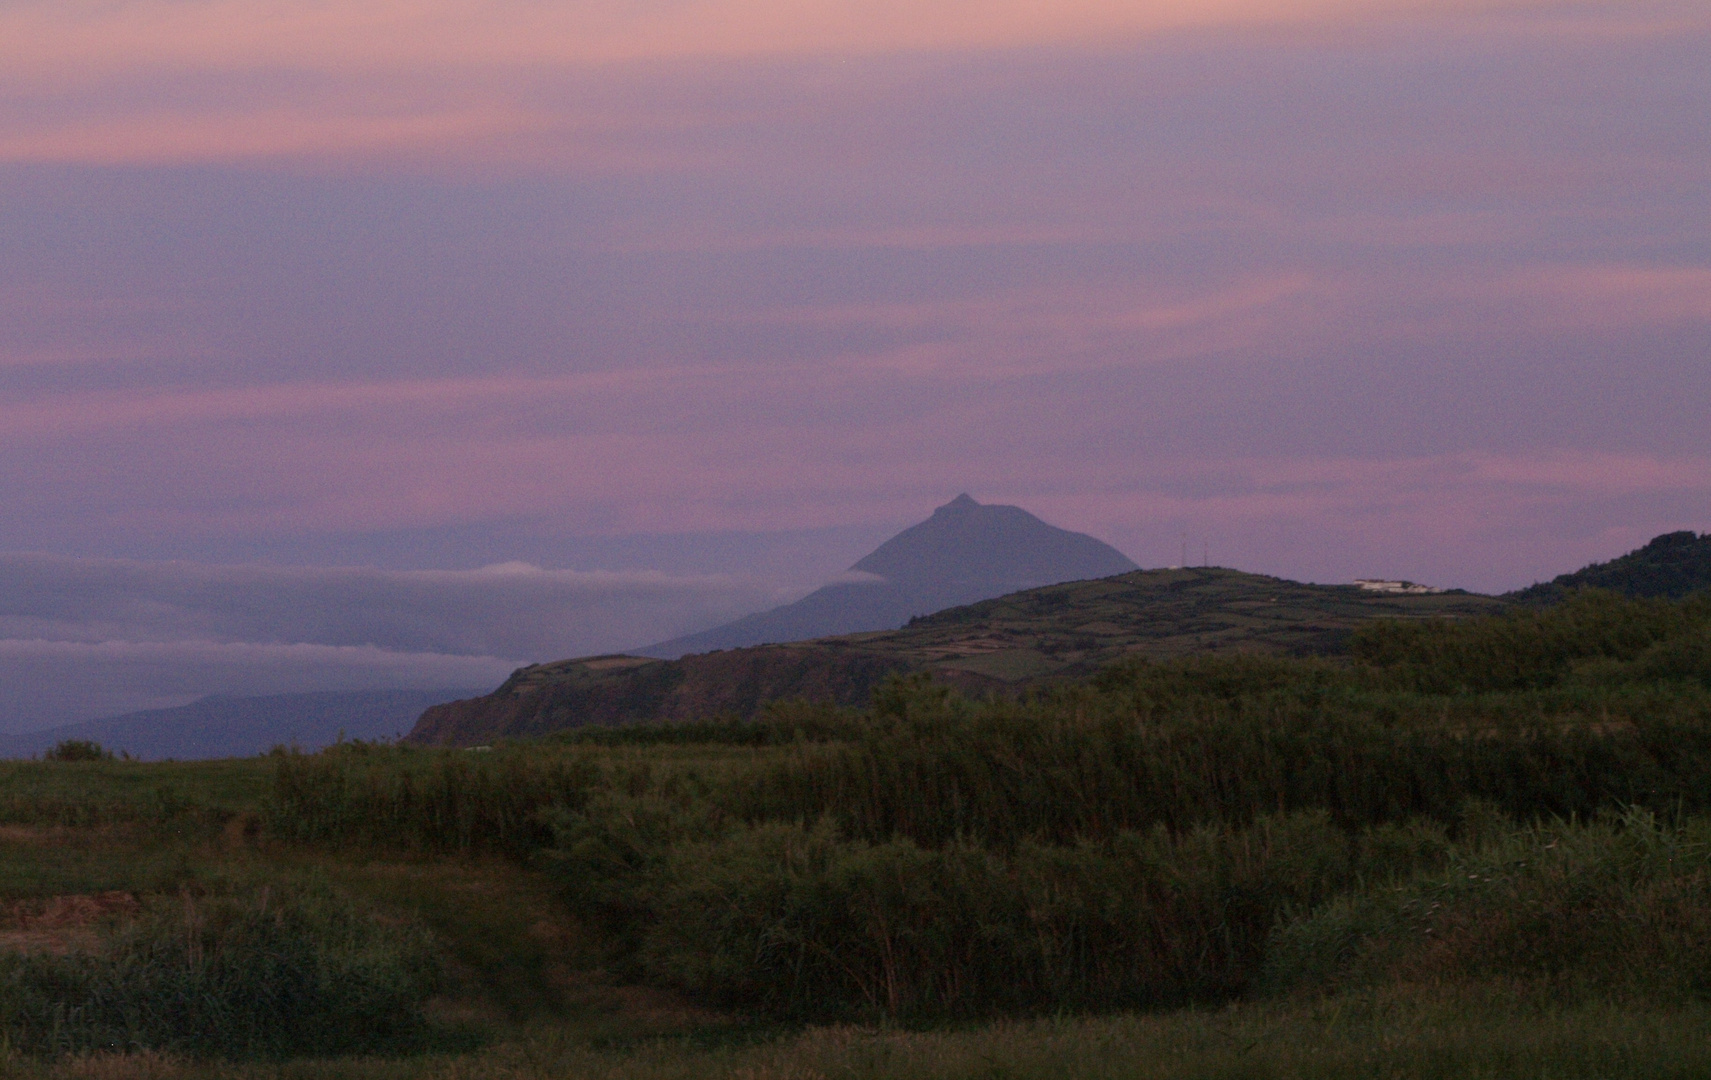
1468	848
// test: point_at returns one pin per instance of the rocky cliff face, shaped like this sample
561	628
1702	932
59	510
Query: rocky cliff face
608	690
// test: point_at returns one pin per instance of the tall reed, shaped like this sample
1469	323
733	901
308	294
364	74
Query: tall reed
430	799
938	769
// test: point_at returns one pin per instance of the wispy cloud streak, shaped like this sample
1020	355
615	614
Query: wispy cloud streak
90	637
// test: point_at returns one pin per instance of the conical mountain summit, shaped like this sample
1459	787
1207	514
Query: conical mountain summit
964	553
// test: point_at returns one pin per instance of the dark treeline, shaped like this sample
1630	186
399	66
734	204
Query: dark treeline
1168	832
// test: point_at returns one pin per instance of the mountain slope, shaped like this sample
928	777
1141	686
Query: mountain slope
1671	565
964	553
220	726
1038	635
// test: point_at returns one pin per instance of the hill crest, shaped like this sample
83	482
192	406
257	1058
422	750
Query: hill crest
1055	632
1671	565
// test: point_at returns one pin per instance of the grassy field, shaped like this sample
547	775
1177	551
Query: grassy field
1469	849
1481	1033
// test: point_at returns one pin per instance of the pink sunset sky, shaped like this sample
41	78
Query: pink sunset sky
692	303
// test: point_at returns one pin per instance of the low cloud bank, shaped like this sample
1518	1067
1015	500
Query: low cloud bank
86	638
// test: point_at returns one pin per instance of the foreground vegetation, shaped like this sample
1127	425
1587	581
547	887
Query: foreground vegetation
262	972
1474	848
1426	1035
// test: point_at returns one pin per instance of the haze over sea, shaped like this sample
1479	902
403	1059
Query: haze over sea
379	345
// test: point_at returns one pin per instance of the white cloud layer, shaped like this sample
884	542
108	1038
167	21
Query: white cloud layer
84	638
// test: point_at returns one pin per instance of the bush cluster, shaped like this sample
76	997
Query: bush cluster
810	924
265	972
1168	832
1144	840
1620	905
77	750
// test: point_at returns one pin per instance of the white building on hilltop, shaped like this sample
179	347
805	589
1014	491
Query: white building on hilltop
1379	585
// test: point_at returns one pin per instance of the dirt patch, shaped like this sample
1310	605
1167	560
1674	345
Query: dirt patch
134	1065
58	924
74	836
453	1010
553	933
664	1009
613	663
242	831
32	834
642	1007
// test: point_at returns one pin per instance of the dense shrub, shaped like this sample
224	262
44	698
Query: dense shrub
435	800
1606	703
779	723
1592	632
77	750
1620	905
1135	840
807	923
266	973
1075	766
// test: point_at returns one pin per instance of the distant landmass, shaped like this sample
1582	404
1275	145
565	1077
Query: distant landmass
1098	609
964	553
1057	632
222	726
1672	565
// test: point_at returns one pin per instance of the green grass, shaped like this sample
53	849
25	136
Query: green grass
1417	1034
107	792
56	861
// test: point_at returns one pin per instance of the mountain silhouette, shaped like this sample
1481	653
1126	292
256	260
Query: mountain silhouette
964	553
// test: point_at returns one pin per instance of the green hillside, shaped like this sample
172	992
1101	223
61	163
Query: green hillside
1028	638
1672	565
